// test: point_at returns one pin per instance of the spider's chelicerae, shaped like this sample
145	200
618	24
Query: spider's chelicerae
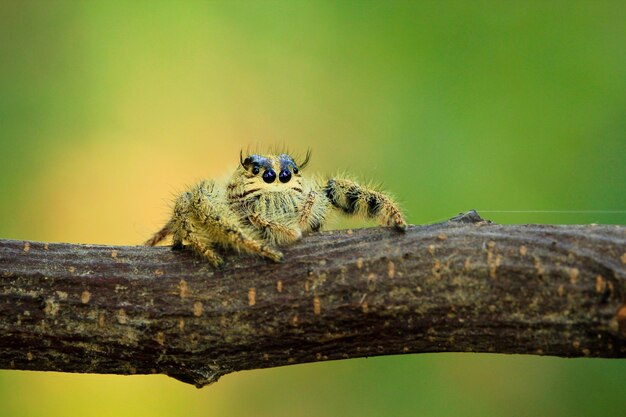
265	204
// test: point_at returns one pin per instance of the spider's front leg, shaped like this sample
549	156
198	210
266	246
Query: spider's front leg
353	198
184	227
216	222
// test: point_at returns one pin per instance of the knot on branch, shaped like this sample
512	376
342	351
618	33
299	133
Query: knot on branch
469	217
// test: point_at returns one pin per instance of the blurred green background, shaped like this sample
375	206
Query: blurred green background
109	108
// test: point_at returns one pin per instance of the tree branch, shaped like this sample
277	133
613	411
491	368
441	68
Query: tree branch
465	285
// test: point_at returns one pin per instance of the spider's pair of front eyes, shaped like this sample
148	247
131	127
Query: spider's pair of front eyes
269	176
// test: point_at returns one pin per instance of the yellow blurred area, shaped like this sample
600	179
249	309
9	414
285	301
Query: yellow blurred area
108	109
81	190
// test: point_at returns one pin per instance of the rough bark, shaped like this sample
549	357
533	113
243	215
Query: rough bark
465	285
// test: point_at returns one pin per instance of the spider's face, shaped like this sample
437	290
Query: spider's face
272	172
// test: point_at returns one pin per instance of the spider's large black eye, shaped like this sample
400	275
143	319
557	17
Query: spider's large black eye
269	176
255	170
284	175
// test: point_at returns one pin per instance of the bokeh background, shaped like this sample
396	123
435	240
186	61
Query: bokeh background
109	108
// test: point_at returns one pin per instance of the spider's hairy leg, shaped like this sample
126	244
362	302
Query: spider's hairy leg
313	211
275	232
221	223
184	227
204	249
353	198
160	235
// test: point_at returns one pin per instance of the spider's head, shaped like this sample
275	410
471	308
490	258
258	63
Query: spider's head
273	170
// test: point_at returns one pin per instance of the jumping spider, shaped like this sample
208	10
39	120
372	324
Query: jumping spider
267	203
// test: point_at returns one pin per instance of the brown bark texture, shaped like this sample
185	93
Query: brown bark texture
465	285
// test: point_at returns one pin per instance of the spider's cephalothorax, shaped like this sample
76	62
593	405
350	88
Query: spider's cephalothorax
267	203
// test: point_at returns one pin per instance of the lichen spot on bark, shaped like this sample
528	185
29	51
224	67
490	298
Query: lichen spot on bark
29	356
621	320
85	297
436	269
101	321
431	249
251	296
523	250
493	260
317	305
279	286
359	263
623	258
573	275
26	247
51	307
538	266
493	266
121	316
198	309
158	272
391	269
467	264
600	284
160	338
183	288
114	254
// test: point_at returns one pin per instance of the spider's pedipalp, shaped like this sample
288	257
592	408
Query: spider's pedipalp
274	232
313	211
